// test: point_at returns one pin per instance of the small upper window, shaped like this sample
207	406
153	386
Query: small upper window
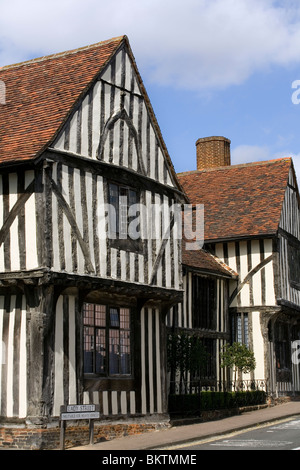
294	263
124	218
121	200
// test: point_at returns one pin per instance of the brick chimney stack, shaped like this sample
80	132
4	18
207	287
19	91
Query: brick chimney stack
212	152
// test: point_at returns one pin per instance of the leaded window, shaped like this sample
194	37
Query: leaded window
121	199
240	329
107	342
204	303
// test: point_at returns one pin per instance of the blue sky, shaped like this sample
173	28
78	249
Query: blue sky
210	67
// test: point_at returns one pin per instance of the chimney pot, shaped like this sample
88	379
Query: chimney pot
212	152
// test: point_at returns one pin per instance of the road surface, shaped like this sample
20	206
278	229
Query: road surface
281	435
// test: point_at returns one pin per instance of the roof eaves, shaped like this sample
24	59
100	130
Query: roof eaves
225	266
210	272
211	265
231	238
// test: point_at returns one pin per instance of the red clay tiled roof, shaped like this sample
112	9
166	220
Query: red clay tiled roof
240	200
205	262
40	94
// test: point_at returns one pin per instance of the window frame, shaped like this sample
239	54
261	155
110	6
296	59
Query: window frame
240	328
282	346
293	249
116	237
107	328
204	295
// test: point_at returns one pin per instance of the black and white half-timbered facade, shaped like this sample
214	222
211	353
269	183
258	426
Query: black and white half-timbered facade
252	226
90	257
203	314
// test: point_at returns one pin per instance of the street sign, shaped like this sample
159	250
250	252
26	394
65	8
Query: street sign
74	412
85	415
80	408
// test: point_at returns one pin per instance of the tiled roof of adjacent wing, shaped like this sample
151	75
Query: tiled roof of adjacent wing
205	263
239	200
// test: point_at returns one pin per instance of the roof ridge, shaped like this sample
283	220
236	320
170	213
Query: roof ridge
61	54
238	165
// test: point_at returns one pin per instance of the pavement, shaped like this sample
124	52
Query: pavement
177	435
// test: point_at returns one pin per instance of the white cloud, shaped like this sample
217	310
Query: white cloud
255	153
191	44
250	153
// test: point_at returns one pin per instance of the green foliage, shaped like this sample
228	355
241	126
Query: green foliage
185	353
239	356
206	401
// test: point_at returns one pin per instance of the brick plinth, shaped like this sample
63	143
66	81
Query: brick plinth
23	437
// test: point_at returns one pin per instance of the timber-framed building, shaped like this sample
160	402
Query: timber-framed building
82	307
203	314
251	224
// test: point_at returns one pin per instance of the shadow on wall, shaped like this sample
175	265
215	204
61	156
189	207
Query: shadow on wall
3	353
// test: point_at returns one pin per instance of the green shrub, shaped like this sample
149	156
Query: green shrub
205	401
